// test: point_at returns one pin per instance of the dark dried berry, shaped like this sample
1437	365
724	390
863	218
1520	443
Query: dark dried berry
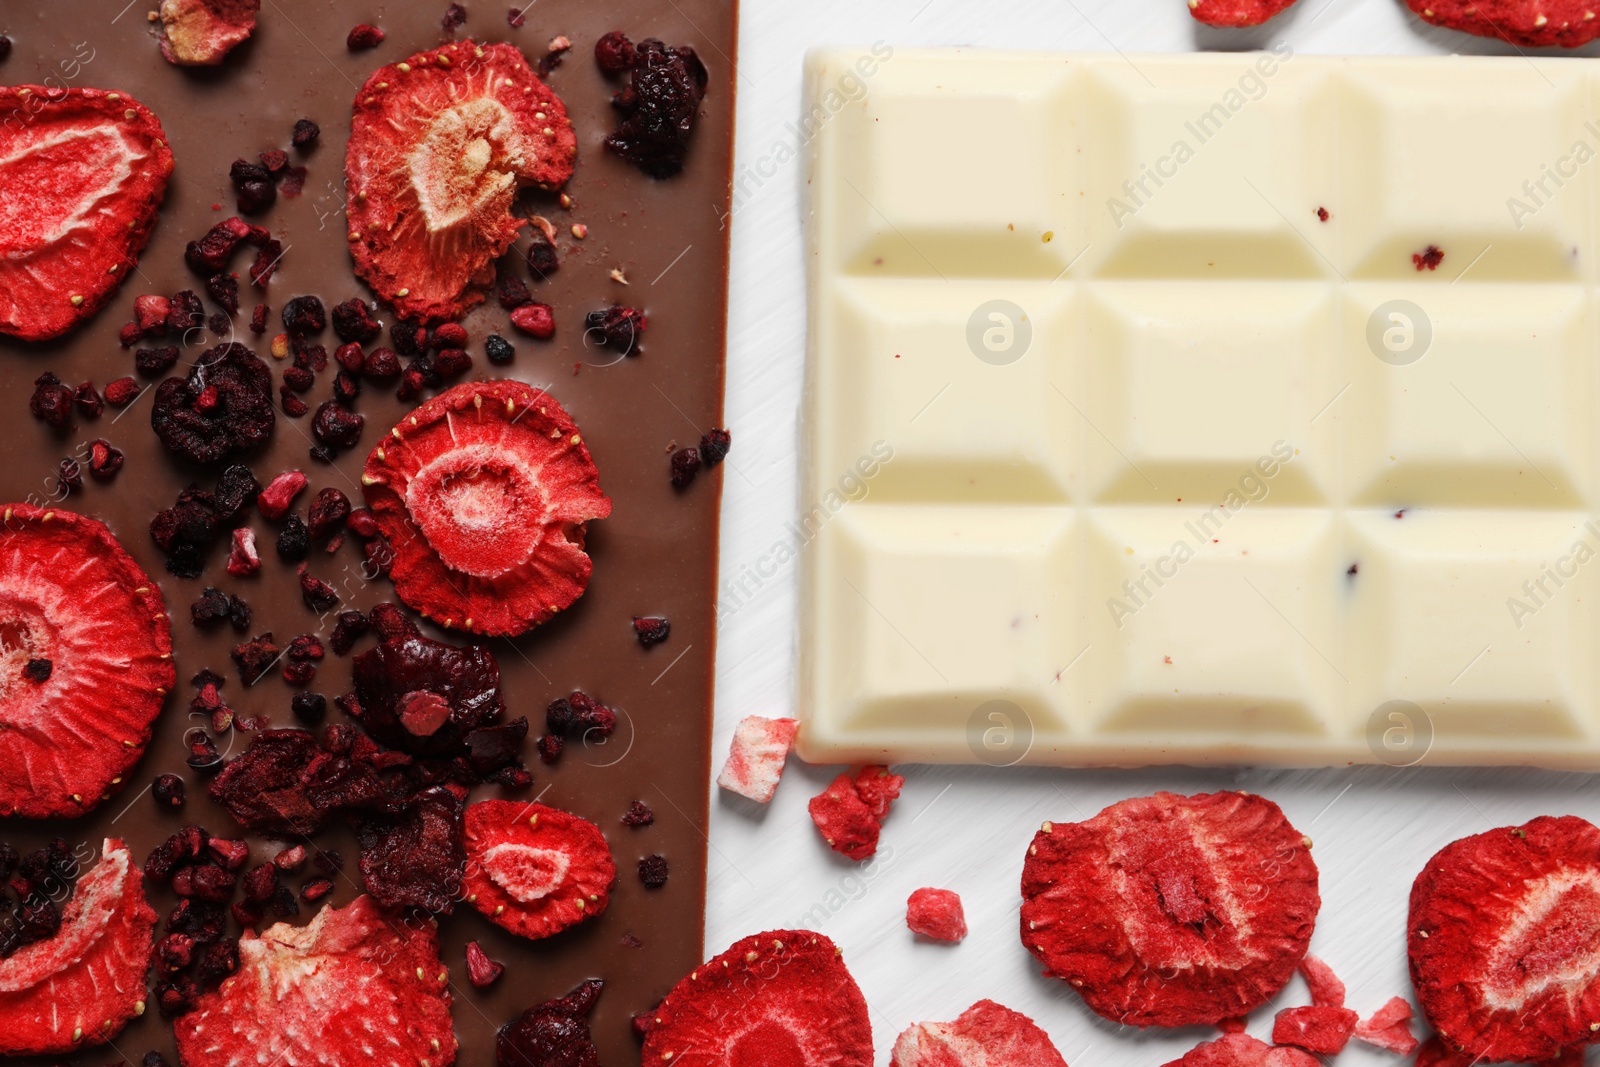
322	454
653	871
352	321
714	446
638	814
70	475
217	962
651	629
319	595
5	48
177	996
408	338
255	657
328	861
455	16
105	459
617	328
552	1033
685	465
363	36
219	324
261	272
347	386
239	613
352	625
417	858
90	406
304	316
512	292
392	679
329	510
452	363
203	754
222	410
448	335
294	540
298	378
309	708
51	402
299	673
223	289
305	133
121	392
481	970
315	890
185	311
258	319
293	406
152	362
259	883
306	647
381	364
657	111
499	350
542	258
210	609
614	52
350	357
237	488
38	670
211	253
336	425
549	746
185	531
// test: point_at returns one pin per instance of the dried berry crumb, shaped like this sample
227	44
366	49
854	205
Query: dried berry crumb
542	258
481	970
455	16
351	626
304	316
315	890
305	133
499	350
69	474
363	36
38	670
549	747
105	459
329	510
1322	213
294	540
714	446
336	426
121	392
154	362
615	327
210	609
51	403
168	790
638	814
657	109
651	629
319	596
255	657
512	292
1428	259
685	465
613	53
309	708
653	871
515	17
87	398
353	321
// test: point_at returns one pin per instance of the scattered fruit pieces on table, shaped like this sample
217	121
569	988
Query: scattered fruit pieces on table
757	756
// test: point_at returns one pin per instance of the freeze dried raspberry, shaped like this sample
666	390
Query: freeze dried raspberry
1326	989
757	756
426	238
222	410
844	820
1429	258
82	983
638	814
153	362
314	996
937	914
685	464
536	320
657	110
1157	885
255	657
363	36
336	426
1232	14
535	870
202	32
1324	1031
618	328
1500	938
352	625
51	402
483	493
80	604
613	53
121	392
1389	1028
1242	1050
985	1035
328	512
482	972
416	858
651	630
305	133
393	679
94	165
878	789
653	871
779	997
243	560
1542	24
88	401
105	460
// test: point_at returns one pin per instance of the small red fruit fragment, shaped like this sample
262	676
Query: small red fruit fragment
81	985
1233	14
71	595
936	913
1389	1028
483	492
1530	23
535	870
1501	939
535	319
199	33
315	996
364	36
552	1034
105	460
481	970
985	1035
1167	885
779	997
243	560
276	499
1242	1050
1324	1031
439	145
878	788
613	53
651	629
150	312
95	166
756	759
1326	989
844	820
1428	259
121	392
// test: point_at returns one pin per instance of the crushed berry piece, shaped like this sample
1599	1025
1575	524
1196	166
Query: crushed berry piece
350	357
481	970
262	270
549	746
352	321
52	402
714	446
185	531
542	258
315	890
105	459
535	319
322	454
579	713
217	962
305	647
452	363
309	708
328	512
408	338
499	350
651	629
299	673
239	613
210	609
38	670
352	625
319	595
417	858
252	183
614	53
304	316
1428	259
305	133
328	861
88	400
657	110
1322	213
292	405
455	16
294	540
381	364
275	500
70	474
258	319
236	423
346	387
211	253
294	182
168	791
5	48
293	858
231	854
512	292
150	313
154	362
121	392
552	1033
616	327
638	814
236	489
449	335
203	754
653	871
177	996
259	883
255	657
274	160
185	311
223	289
515	17
363	36
243	559
685	465
363	523
299	378
337	426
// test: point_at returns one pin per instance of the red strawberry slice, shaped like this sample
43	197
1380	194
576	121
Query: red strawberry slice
535	870
778	998
1534	23
82	175
1242	1050
354	986
1233	14
1170	910
483	493
85	662
81	986
985	1035
1504	939
439	146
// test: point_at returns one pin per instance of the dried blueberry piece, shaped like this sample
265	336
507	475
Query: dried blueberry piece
685	465
714	446
498	349
653	871
305	133
51	402
657	110
210	610
309	708
294	540
336	426
542	258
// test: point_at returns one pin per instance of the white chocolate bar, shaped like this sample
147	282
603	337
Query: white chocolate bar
1118	452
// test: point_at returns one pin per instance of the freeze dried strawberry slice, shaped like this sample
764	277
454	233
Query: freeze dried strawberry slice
82	176
1232	14
483	493
82	985
535	870
985	1035
1242	1050
1171	910
329	994
1534	23
777	998
1325	1031
756	758
1389	1028
439	145
71	597
1504	939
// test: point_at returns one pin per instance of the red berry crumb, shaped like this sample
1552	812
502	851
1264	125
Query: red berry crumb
685	465
535	319
363	36
651	629
614	52
105	459
1428	259
638	814
1322	213
936	914
90	406
51	403
121	392
653	871
276	499
481	970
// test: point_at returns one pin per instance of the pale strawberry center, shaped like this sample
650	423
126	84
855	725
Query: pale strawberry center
57	183
483	511
461	167
25	637
1553	942
526	873
1168	872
